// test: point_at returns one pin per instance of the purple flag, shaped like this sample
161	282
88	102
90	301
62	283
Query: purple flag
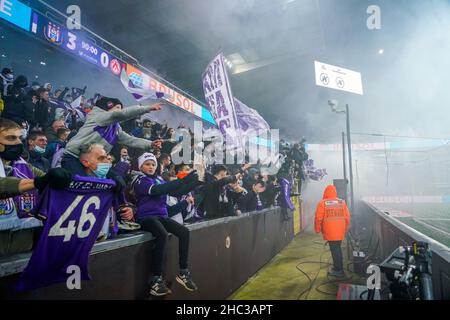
58	104
73	220
109	133
249	119
220	101
312	172
77	92
26	201
286	189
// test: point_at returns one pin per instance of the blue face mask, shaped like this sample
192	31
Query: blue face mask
39	150
9	77
102	170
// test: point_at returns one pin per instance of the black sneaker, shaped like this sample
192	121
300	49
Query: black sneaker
185	280
159	288
336	273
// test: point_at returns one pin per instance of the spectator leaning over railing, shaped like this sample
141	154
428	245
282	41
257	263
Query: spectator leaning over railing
213	188
252	200
190	213
102	127
177	206
235	194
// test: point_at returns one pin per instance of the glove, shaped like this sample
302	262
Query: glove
120	182
191	177
58	178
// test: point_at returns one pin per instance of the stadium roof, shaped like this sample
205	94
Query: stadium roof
273	44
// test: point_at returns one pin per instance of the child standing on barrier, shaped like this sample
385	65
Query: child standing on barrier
151	193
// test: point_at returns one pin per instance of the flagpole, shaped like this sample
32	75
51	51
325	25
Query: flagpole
344	166
350	167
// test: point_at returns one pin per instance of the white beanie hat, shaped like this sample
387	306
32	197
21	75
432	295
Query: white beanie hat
146	156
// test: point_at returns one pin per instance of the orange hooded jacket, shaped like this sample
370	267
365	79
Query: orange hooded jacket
332	216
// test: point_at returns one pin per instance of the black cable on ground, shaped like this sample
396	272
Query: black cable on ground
334	281
311	282
330	281
360	295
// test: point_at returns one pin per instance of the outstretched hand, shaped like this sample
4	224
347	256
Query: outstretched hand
191	177
157	144
156	106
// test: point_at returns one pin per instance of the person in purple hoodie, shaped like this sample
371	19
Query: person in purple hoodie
151	191
284	198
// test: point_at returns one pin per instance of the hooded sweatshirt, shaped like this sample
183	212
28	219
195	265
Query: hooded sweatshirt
103	127
152	193
332	216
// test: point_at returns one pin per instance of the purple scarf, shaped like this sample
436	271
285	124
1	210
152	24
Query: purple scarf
26	201
259	205
286	188
109	133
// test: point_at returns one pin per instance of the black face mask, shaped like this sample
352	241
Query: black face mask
12	152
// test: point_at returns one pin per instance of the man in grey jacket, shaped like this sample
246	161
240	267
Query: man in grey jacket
102	127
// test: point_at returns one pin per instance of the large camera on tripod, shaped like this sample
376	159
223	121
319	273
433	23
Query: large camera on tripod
408	269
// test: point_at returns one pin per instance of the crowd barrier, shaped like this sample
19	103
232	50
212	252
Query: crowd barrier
392	233
224	254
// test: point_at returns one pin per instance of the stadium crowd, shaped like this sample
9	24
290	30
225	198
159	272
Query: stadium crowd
45	139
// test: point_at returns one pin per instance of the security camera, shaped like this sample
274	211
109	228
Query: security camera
333	103
334	106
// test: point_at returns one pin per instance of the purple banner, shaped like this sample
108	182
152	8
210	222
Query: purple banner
220	102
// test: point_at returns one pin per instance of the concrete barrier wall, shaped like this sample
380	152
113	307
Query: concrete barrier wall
392	233
224	254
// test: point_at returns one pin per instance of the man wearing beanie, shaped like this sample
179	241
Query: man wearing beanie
102	127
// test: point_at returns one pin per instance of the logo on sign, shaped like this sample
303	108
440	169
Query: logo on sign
340	82
52	33
115	67
324	78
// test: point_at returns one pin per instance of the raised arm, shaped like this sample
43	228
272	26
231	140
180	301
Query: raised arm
107	118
